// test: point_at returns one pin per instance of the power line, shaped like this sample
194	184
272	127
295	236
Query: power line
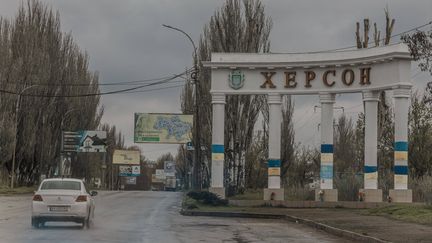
355	46
129	83
95	94
161	88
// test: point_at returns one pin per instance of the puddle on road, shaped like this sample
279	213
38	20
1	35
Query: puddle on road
239	239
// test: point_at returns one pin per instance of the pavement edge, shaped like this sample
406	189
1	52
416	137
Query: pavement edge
324	227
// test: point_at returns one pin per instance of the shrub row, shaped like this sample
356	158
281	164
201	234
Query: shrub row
208	198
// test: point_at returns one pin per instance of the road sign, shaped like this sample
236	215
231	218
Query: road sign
169	168
70	141
189	146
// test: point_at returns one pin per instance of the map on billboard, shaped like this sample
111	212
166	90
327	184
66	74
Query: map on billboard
162	128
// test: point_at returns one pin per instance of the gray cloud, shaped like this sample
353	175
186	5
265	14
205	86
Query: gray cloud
125	42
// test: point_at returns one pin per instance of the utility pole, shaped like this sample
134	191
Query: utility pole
196	168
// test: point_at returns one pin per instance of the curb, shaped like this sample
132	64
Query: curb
231	214
327	228
335	231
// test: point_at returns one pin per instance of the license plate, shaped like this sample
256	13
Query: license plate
58	209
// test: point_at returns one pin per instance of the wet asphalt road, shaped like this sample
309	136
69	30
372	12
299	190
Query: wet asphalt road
147	217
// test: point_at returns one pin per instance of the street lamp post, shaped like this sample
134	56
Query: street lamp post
60	167
194	75
17	104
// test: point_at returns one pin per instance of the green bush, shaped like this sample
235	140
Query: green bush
189	203
208	198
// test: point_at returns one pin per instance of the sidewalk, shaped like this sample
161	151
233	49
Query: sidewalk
348	219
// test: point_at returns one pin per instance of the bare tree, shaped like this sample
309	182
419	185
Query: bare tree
344	153
287	133
364	42
38	59
420	135
238	26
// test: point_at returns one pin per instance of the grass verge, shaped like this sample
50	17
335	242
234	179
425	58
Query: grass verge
18	190
411	213
249	195
291	194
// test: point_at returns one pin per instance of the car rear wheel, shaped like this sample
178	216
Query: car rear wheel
35	223
86	222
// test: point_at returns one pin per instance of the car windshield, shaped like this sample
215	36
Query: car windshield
62	185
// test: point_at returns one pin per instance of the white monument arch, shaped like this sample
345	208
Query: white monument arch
325	74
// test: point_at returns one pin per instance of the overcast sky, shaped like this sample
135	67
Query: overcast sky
126	41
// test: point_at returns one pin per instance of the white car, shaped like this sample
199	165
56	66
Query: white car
62	199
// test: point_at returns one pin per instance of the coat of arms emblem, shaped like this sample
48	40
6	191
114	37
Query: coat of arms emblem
236	79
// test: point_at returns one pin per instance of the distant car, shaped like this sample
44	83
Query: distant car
63	199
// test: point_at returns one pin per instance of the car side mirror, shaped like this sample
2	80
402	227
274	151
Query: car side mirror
93	193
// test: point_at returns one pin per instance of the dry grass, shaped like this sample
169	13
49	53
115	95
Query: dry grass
409	213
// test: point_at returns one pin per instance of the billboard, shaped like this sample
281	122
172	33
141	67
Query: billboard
162	128
155	179
169	168
160	174
126	157
131	180
126	170
92	141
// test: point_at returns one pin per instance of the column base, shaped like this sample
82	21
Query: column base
274	194
401	195
370	195
220	191
330	195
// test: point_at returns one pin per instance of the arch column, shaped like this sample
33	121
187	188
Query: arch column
371	193
218	150
401	193
329	194
274	163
